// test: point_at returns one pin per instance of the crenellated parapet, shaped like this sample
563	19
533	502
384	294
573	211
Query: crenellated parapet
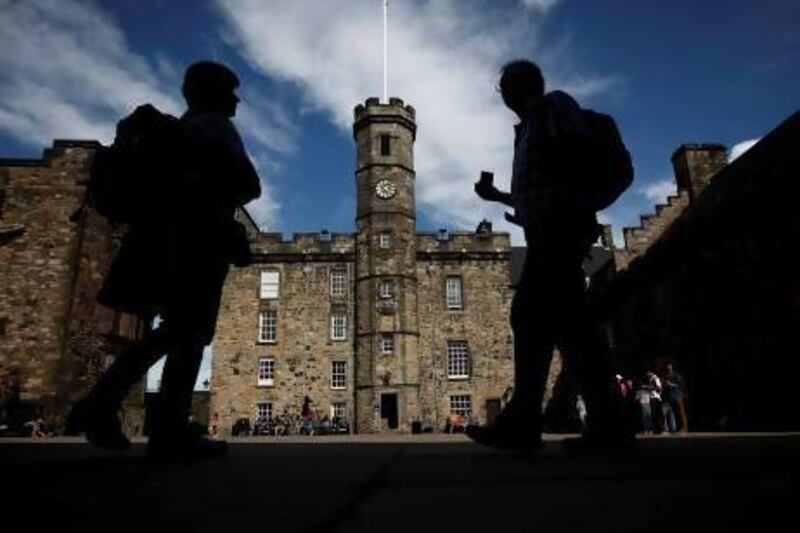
395	112
695	165
463	245
319	246
639	238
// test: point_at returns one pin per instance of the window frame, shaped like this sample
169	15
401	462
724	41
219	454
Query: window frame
263	293
338	283
339	379
386	144
266	381
343	407
455	409
268	409
264	328
386	288
385	240
458	367
384	338
454	301
343	316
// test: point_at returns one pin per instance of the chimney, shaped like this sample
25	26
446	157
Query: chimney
696	164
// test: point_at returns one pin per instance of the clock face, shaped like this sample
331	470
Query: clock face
385	189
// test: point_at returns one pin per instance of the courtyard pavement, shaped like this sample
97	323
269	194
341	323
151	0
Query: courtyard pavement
708	482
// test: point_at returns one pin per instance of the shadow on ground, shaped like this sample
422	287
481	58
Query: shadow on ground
712	483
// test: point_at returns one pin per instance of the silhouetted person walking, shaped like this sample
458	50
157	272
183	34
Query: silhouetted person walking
174	260
556	145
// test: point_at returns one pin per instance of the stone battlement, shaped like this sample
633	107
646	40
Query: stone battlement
304	243
395	112
316	243
65	164
372	106
463	242
639	238
695	165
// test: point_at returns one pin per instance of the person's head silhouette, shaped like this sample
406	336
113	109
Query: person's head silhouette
209	87
520	82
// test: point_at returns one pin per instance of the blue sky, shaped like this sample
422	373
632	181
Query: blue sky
669	72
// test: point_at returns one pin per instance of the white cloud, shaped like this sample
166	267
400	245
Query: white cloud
741	148
657	192
71	74
444	60
542	5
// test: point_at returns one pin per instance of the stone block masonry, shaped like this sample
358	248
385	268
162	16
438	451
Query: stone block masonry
55	337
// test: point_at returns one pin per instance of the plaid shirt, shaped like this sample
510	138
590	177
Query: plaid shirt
540	195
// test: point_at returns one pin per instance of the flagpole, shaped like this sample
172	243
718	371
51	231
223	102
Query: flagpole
386	51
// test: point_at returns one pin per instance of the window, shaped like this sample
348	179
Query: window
461	405
268	326
338	326
263	411
453	293
339	411
338	283
386	145
387	344
385	240
386	288
270	282
266	372
457	360
339	375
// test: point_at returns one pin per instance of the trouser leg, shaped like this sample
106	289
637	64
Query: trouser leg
666	416
533	350
647	417
585	350
177	385
109	392
682	414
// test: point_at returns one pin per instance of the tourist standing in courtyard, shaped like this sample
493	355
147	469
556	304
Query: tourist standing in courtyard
186	249
552	200
675	392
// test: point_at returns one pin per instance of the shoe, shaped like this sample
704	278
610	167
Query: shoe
598	441
186	447
102	430
505	434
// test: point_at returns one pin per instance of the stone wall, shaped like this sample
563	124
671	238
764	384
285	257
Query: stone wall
695	166
304	351
718	293
483	323
55	337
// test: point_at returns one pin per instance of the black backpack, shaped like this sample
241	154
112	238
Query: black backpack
608	166
132	180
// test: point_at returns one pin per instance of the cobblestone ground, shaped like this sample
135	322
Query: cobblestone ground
432	483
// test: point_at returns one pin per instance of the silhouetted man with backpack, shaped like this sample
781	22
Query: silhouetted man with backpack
568	164
176	183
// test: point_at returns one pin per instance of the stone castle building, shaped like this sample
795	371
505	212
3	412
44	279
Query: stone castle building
55	338
709	283
388	326
383	327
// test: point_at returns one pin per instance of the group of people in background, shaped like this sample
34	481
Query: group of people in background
658	400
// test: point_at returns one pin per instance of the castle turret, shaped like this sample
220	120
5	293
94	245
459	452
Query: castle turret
695	164
387	335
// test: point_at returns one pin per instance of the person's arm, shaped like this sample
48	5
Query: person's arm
248	185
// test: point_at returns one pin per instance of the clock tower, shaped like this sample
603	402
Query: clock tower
387	334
